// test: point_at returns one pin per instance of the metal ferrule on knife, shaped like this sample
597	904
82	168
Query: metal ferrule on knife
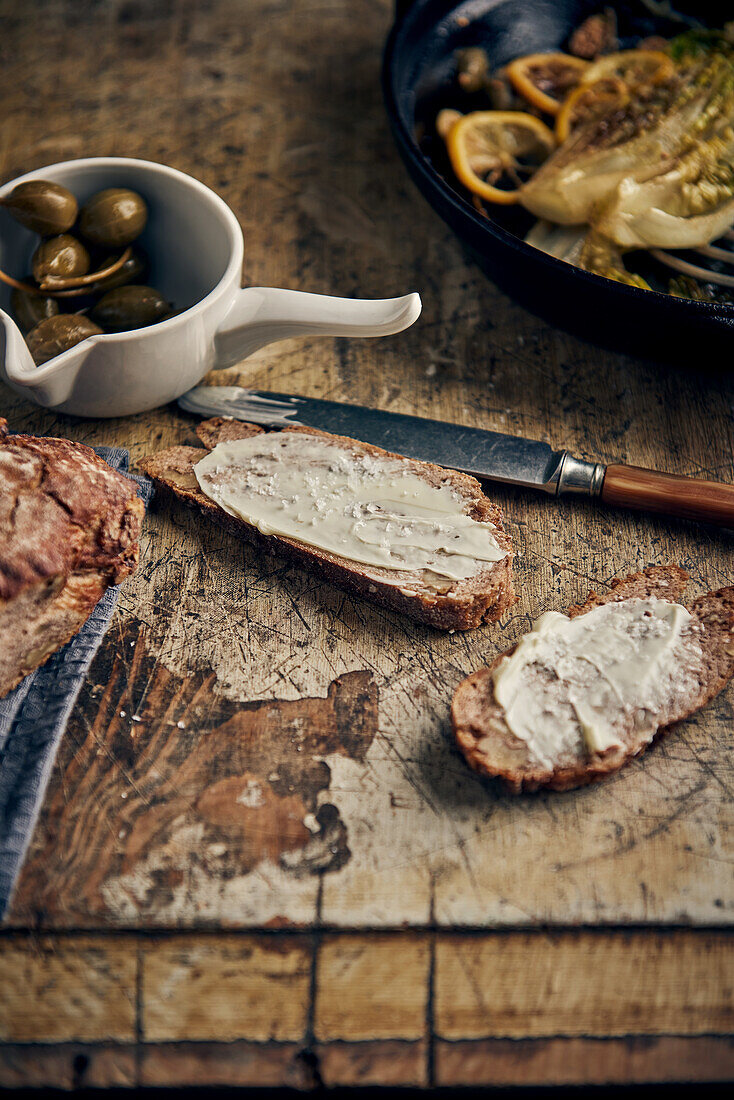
574	475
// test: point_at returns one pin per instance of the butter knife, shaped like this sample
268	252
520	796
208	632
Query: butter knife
488	455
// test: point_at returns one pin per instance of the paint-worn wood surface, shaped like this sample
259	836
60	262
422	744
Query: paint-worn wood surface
260	860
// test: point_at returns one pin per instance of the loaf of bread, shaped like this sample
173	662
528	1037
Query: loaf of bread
69	528
555	743
447	603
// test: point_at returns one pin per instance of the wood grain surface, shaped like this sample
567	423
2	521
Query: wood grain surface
260	859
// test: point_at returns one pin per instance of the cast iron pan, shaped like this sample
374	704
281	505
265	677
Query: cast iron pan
418	73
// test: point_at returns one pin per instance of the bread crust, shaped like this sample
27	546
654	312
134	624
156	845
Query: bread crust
492	749
69	528
483	598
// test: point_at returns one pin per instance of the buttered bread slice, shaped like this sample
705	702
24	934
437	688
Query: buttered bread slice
582	693
421	539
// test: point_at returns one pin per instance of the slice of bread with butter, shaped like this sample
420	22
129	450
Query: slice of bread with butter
583	693
408	535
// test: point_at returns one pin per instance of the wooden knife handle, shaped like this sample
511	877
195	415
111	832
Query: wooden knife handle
651	491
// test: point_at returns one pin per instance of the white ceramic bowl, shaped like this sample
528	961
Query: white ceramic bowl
195	247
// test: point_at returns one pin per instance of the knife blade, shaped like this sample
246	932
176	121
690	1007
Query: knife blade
485	454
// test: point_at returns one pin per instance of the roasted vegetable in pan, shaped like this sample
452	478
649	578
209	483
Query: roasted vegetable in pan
656	172
642	157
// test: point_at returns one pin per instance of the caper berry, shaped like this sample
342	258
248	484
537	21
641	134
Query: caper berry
62	255
57	334
130	307
31	309
42	206
136	267
113	217
474	71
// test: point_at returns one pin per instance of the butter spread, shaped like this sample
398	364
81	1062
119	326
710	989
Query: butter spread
584	682
368	509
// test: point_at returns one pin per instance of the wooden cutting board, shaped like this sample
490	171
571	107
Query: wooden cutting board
260	858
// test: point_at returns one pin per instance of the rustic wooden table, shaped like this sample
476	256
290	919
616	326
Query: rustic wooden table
260	859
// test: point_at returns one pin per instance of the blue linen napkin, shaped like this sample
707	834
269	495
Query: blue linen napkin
33	718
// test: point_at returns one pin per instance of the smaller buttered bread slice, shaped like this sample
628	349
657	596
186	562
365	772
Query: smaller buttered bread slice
408	535
583	693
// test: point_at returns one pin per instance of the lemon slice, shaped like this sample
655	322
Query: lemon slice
632	66
590	101
494	152
545	79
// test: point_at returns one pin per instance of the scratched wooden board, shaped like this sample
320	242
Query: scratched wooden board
291	762
258	775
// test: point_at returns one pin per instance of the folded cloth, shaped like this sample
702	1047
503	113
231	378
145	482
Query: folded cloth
33	718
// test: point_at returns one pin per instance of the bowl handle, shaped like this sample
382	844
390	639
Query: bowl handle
261	315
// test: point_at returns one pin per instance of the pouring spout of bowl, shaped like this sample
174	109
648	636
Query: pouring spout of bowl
262	315
15	358
50	384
